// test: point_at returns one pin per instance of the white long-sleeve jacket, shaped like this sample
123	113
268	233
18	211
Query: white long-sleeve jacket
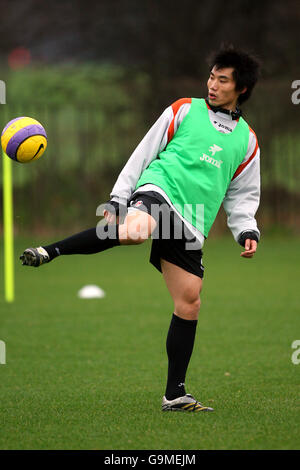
243	194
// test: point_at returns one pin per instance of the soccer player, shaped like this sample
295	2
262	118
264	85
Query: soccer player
199	154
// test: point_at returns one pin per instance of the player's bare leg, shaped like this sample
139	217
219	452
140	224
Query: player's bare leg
185	289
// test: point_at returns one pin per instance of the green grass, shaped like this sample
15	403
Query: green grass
90	374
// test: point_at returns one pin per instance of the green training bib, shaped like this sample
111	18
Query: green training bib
197	166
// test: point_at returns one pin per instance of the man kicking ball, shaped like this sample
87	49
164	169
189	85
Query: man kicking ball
199	154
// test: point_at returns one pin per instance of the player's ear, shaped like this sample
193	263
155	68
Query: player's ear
243	90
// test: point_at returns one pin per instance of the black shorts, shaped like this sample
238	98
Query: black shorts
175	247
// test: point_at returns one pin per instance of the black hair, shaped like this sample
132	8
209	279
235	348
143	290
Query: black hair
246	68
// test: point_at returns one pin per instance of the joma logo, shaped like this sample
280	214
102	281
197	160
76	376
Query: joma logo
213	149
211	160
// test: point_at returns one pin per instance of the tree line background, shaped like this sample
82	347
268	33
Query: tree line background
98	74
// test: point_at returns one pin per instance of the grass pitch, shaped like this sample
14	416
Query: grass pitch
90	374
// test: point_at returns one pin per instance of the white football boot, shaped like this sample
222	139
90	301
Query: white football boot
185	403
35	257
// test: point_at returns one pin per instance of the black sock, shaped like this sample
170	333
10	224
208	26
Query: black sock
180	343
86	242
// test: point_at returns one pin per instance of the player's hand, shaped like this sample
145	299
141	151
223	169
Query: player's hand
109	217
114	212
250	248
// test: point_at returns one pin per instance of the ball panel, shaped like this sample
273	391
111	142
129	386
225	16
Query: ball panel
31	149
10	123
41	147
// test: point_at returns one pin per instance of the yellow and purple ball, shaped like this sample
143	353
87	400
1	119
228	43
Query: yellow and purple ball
24	139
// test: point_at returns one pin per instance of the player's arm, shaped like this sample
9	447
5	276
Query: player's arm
152	144
242	200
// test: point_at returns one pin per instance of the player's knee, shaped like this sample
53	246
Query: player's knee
189	307
194	306
137	239
131	237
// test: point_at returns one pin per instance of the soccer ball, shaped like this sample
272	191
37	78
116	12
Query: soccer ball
24	139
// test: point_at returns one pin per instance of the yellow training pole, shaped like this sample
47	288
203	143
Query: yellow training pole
8	229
